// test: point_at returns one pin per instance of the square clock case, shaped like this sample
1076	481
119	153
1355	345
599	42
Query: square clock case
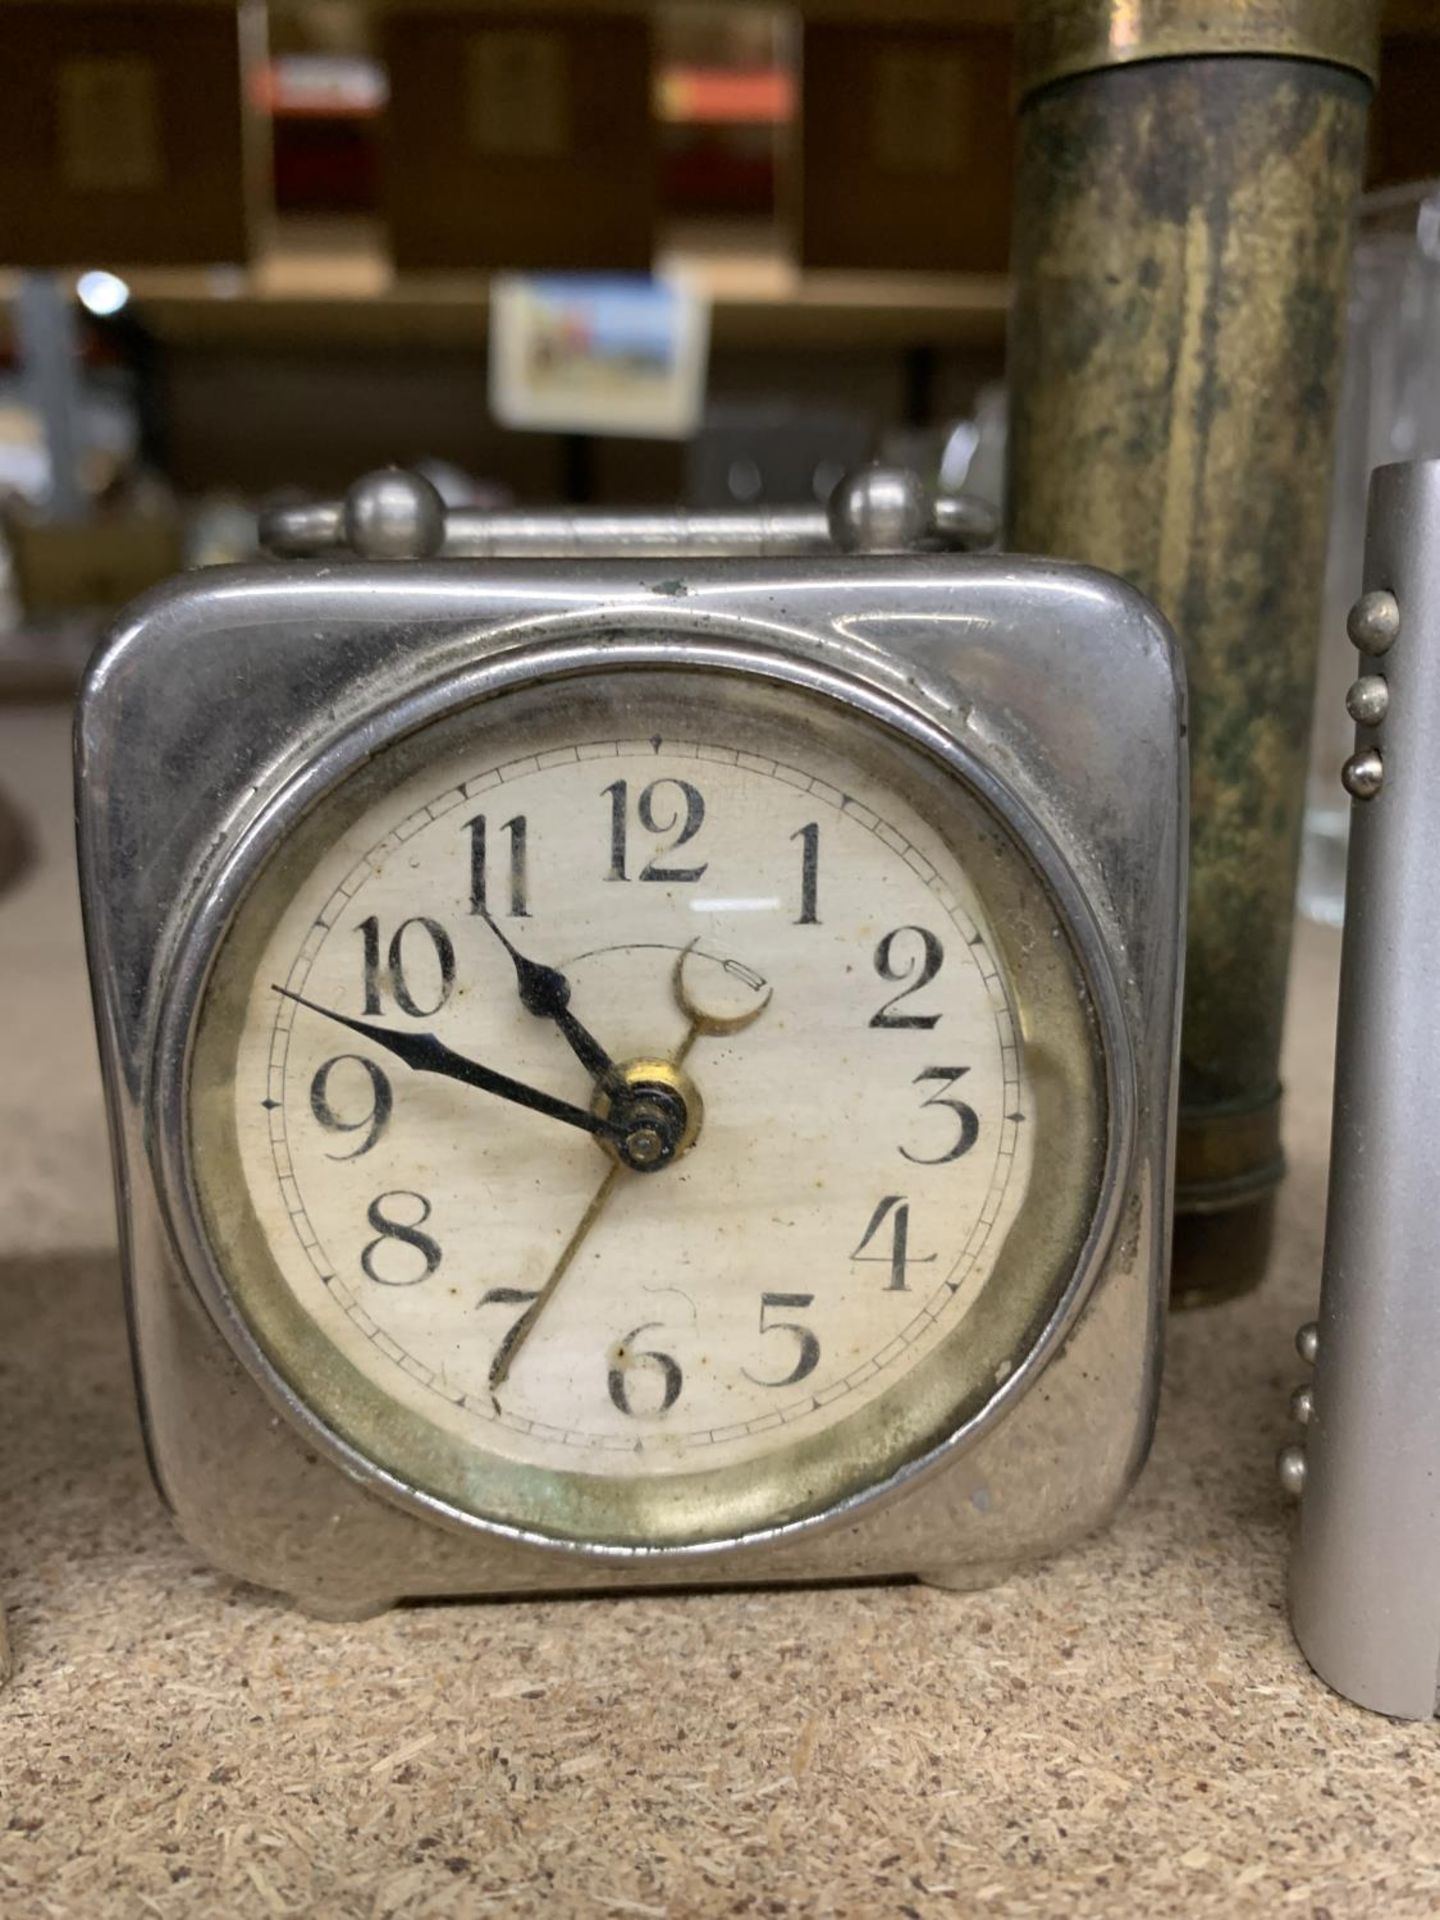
640	1049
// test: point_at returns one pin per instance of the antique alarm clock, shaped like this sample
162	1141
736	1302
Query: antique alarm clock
640	1049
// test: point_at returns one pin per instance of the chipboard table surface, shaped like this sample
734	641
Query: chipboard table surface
1128	1729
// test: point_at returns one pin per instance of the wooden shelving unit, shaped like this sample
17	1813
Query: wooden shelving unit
331	282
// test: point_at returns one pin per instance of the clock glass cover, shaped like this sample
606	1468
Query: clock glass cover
647	1109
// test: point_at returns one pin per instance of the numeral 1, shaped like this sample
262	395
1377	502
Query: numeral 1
519	884
809	837
619	792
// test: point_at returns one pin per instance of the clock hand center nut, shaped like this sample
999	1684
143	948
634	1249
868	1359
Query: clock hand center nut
656	1111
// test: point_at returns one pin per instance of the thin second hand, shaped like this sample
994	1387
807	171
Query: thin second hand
505	1359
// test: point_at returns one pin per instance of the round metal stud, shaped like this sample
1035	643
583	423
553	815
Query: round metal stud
1290	1467
394	515
1374	622
879	510
1307	1342
1363	774
1302	1405
1368	700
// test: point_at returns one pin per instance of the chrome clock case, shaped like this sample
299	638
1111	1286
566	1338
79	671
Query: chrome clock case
226	705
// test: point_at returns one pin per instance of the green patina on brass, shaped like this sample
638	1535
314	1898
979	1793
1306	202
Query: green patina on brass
1181	247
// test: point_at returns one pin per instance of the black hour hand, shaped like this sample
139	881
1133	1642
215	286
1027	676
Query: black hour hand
545	992
427	1053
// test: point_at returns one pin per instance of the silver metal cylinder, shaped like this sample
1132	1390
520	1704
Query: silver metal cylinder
1365	1582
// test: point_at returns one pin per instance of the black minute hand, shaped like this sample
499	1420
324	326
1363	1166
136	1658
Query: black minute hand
545	992
426	1053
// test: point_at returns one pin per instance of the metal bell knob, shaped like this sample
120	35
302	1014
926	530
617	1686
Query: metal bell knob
1307	1342
879	509
394	515
1302	1405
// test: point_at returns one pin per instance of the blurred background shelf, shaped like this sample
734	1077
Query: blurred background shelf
834	177
330	279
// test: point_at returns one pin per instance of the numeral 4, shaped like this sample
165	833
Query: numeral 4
895	1209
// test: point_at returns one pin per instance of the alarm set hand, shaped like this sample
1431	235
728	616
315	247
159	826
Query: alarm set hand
701	1021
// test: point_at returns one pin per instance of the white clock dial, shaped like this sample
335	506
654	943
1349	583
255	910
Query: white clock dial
778	987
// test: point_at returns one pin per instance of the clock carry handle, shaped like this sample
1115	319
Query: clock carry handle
397	515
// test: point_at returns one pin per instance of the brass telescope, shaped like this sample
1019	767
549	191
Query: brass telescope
1187	177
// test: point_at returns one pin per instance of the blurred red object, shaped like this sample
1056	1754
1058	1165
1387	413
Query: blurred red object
325	113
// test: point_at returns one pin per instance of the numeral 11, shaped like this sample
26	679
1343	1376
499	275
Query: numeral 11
479	855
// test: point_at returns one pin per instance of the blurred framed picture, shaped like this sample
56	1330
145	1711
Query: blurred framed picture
598	353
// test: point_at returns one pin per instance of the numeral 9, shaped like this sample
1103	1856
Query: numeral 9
372	1123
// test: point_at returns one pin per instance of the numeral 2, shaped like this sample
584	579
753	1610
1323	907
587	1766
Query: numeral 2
931	958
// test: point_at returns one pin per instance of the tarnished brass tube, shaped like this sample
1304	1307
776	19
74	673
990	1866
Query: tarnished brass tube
1187	174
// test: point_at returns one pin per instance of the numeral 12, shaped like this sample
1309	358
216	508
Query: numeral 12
651	798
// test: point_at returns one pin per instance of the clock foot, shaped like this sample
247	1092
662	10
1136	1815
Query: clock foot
970	1578
342	1609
